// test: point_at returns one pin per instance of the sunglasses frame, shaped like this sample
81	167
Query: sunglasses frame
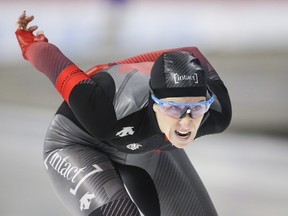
188	105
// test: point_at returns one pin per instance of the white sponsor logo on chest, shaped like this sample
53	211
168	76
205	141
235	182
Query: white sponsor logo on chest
125	132
134	146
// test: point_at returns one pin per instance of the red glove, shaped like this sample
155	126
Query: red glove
25	38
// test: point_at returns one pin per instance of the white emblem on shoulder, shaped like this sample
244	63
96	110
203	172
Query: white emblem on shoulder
125	131
134	146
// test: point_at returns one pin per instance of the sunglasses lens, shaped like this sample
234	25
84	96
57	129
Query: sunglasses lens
199	110
172	110
179	111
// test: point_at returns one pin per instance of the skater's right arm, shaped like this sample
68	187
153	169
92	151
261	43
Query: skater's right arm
90	100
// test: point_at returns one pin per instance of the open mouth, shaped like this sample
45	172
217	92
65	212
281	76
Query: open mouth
182	135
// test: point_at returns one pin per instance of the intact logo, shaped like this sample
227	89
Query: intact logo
125	132
179	78
73	174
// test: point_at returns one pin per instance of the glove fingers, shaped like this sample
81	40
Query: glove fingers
23	21
25	35
32	28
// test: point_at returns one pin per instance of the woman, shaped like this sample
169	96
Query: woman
115	145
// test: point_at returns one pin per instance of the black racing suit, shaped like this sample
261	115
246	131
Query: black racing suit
104	151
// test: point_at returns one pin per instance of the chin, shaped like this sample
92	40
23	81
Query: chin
180	145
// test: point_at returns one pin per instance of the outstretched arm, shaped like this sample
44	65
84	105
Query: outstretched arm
90	100
47	58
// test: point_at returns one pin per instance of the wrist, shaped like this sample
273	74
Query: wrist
26	38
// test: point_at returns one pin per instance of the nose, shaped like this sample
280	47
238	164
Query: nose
186	121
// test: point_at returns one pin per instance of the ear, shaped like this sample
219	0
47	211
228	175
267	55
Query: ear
155	107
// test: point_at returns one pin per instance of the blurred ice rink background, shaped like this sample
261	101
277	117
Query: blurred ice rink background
244	169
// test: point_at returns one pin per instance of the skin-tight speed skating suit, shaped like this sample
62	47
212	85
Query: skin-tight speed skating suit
104	152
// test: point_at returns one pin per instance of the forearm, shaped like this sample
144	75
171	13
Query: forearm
60	70
48	59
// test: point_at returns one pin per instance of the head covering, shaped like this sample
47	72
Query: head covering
177	74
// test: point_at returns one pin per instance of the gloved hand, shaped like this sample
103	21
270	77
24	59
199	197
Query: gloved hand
25	35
